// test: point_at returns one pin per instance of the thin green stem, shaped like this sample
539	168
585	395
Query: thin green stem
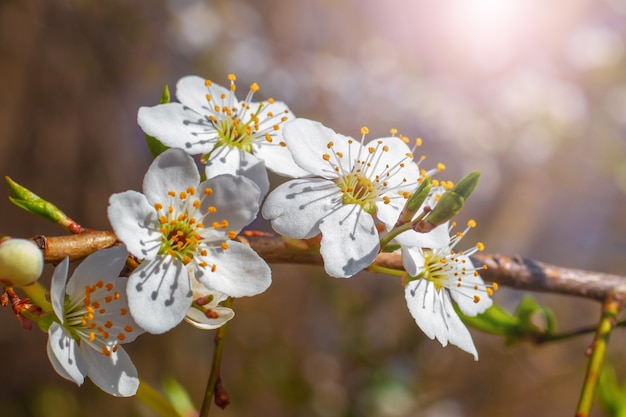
214	377
610	309
384	270
37	294
155	400
400	229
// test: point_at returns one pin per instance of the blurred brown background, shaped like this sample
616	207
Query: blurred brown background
532	93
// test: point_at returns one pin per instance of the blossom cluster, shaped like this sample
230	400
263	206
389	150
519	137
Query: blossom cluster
179	257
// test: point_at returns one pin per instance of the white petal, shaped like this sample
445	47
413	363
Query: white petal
277	157
350	241
57	288
464	295
398	152
191	91
64	355
307	140
235	198
173	170
134	221
178	126
199	320
412	260
436	238
237	162
239	271
159	294
296	207
434	314
103	265
115	374
389	213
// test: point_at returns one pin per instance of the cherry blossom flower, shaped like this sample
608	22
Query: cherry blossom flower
360	184
444	276
236	137
206	313
182	228
93	321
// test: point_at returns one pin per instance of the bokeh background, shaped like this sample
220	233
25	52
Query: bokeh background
529	92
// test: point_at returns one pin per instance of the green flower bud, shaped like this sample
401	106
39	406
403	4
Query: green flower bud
450	203
21	262
414	202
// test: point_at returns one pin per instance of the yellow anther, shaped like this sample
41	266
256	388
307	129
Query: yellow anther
326	157
123	311
418	141
330	144
385	148
371	149
212	209
393	131
208	191
364	130
270	100
480	246
232	234
208	97
158	206
128	329
232	77
186	259
92	336
386	199
276	127
268	138
171	193
208	83
108	324
440	167
476	299
254	87
213	268
224	245
121	337
106	351
495	286
489	291
471	223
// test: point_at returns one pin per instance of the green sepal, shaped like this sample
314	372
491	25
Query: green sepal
45	321
154	145
514	327
32	203
415	201
452	201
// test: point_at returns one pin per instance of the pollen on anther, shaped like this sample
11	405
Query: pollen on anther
208	191
212	209
476	299
254	87
364	130
471	223
232	77
232	234
480	246
326	157
224	245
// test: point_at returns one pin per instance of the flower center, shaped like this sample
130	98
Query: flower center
358	190
237	125
90	317
364	179
182	225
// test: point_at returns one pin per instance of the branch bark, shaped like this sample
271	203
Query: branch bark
516	272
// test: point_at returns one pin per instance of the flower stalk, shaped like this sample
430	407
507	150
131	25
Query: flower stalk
214	387
610	309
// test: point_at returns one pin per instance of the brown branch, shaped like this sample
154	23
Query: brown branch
515	272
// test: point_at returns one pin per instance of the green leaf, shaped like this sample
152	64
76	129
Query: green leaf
32	203
611	396
522	325
154	145
179	397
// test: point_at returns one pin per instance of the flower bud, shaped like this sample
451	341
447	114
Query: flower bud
450	203
414	202
21	262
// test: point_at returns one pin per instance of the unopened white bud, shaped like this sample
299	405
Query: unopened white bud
21	262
